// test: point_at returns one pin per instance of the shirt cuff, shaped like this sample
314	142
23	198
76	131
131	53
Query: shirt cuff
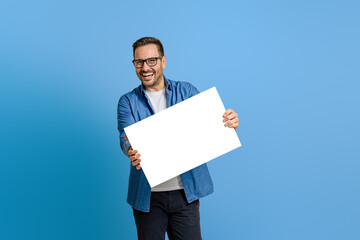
125	147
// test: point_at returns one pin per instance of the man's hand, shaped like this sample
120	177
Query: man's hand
134	156
231	119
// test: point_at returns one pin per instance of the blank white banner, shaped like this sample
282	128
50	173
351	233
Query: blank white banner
182	137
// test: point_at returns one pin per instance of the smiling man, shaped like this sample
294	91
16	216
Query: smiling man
172	206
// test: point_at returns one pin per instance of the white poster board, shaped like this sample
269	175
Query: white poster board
182	137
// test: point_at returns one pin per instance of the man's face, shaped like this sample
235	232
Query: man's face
151	77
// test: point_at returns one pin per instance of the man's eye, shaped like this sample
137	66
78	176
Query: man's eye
151	60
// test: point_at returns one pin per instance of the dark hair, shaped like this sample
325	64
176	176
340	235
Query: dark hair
148	40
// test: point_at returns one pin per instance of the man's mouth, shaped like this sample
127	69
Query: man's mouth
147	76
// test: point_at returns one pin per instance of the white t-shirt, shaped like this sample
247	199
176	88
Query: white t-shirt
158	103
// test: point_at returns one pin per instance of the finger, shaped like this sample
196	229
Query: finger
136	162
126	138
233	123
134	157
132	152
232	120
227	112
231	116
138	166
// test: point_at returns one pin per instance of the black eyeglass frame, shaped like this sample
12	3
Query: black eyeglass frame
146	60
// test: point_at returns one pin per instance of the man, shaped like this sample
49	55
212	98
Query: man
172	206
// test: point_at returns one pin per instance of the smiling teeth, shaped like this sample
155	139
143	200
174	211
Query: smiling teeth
147	74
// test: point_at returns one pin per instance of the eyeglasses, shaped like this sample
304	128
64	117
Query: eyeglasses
151	62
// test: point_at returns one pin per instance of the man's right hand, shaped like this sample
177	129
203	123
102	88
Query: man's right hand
134	156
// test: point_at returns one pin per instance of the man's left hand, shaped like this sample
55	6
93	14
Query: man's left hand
231	119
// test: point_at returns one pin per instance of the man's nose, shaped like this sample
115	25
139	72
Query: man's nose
145	67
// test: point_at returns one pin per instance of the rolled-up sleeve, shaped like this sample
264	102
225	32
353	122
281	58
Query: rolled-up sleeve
125	118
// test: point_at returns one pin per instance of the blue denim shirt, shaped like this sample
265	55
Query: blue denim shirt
135	106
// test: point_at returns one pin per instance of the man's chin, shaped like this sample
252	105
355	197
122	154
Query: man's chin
150	83
147	83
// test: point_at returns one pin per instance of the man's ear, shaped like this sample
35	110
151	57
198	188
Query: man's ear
163	61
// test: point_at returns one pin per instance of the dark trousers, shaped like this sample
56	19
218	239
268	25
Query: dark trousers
169	212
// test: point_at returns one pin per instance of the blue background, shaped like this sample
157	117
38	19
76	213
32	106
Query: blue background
289	68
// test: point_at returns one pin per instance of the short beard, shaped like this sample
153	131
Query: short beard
155	83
